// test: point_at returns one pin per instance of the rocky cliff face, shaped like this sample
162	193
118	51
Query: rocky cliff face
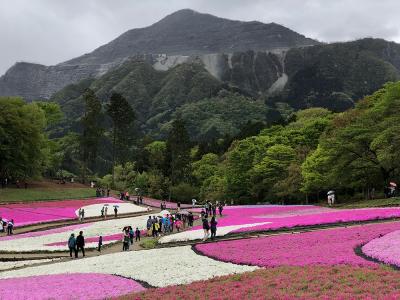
183	36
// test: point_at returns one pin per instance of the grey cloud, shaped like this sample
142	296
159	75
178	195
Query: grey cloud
51	31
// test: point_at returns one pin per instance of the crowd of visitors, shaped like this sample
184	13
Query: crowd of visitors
156	226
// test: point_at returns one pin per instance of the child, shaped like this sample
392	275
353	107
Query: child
100	243
137	234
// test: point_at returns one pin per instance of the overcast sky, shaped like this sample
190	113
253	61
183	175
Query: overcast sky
52	31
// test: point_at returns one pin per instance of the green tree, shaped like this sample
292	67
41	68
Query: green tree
156	152
22	139
178	149
123	117
92	131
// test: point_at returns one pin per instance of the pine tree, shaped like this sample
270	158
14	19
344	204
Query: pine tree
123	118
177	164
92	131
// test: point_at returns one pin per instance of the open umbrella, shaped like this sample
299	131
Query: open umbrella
331	193
184	212
164	213
106	204
393	184
116	205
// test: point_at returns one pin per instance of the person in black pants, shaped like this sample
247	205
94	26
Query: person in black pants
213	226
137	234
80	244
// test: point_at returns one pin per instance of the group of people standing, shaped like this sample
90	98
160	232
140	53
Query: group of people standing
129	235
78	243
211	208
101	192
157	226
81	214
207	226
7	226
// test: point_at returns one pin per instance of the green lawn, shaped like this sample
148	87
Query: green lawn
37	194
371	203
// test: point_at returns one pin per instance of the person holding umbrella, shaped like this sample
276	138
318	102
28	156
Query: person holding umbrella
331	198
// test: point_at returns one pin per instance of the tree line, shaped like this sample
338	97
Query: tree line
355	153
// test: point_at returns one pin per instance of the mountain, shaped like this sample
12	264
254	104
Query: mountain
253	86
182	36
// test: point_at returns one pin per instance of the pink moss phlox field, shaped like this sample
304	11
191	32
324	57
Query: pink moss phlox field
385	248
67	286
40	212
322	247
291	216
157	203
68	230
310	282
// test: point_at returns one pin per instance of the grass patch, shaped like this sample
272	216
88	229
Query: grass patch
371	203
149	243
11	195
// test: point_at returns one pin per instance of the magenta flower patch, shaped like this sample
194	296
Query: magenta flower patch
40	212
67	286
323	247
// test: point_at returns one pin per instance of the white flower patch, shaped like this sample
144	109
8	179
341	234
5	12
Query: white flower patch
198	234
158	267
6	265
94	210
104	228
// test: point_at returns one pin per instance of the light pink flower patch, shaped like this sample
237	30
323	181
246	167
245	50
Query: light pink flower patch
385	248
296	215
89	286
326	217
67	229
323	247
47	211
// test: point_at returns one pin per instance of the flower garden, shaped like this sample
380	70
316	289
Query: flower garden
325	263
40	212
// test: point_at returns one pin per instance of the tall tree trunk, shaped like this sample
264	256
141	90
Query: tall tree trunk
113	156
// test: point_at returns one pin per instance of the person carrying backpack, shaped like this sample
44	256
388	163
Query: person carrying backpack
72	244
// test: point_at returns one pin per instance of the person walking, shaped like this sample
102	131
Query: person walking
220	208
83	215
194	202
131	234
214	209
80	214
72	245
80	244
105	212
206	228
102	212
108	192
10	227
115	211
149	223
137	234
213	226
190	219
125	246
100	243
